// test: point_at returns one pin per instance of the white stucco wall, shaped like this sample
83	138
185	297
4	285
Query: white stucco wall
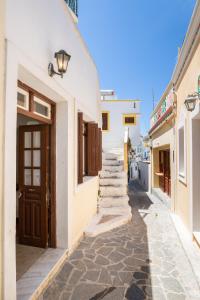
145	175
114	137
2	70
35	30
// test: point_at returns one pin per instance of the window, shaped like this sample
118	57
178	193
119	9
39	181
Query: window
23	99
73	4
181	141
105	121
134	105
89	148
42	108
129	119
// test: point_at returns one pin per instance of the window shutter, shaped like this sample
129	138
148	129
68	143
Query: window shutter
100	149
104	121
92	149
80	147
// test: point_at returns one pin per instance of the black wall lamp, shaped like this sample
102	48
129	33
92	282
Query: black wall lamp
62	59
190	101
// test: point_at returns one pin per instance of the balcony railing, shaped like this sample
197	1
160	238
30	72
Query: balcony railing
73	4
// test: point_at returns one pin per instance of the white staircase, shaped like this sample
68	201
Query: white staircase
114	209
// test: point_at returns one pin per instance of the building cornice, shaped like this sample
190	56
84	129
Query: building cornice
121	100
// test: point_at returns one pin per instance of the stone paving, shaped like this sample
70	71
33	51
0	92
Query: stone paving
141	260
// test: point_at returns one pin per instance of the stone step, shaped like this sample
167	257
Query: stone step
112	162
116	210
107	202
113	168
109	156
108	219
112	191
113	181
108	174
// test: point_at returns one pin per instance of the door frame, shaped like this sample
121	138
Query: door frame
52	158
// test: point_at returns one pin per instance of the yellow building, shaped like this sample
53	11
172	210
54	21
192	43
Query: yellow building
186	79
178	131
162	136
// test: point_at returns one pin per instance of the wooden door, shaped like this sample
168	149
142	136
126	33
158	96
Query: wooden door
33	185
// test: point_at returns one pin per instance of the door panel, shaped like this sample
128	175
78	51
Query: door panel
33	185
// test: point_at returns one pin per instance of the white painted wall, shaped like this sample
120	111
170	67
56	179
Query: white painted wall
114	138
35	30
144	177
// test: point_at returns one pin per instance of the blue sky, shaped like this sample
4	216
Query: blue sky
134	44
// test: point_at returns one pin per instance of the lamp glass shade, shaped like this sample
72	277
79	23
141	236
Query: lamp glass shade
62	61
190	102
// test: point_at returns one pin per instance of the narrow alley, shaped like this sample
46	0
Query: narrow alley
141	260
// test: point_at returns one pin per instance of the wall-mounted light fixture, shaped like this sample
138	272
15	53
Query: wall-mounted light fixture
62	59
190	101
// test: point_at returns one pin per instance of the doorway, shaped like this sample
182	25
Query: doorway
35	178
164	169
33	193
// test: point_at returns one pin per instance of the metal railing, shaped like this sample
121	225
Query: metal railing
73	4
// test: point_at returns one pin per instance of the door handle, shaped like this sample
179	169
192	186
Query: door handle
19	195
31	190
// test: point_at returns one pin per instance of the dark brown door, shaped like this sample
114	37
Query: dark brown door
33	185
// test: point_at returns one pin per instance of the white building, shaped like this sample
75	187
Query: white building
50	186
120	119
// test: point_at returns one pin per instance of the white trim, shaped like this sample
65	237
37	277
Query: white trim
182	175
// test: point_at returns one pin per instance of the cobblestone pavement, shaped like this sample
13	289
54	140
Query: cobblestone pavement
141	260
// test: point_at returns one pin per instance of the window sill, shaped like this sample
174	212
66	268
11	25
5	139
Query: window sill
182	178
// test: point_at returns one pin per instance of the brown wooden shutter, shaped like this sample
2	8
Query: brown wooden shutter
80	147
104	121
92	149
100	150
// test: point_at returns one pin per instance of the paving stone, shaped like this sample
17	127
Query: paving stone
76	255
85	291
65	272
105	251
171	284
90	265
53	292
140	275
134	293
115	294
115	257
91	275
125	277
75	277
140	260
175	296
105	277
65	296
116	267
101	260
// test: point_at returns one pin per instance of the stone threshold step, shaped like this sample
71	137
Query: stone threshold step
104	222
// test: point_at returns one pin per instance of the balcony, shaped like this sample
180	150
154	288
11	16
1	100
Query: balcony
73	4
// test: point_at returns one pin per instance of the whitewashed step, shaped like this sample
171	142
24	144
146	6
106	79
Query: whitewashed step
109	156
117	210
113	202
113	168
113	181
115	218
112	162
107	174
113	191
